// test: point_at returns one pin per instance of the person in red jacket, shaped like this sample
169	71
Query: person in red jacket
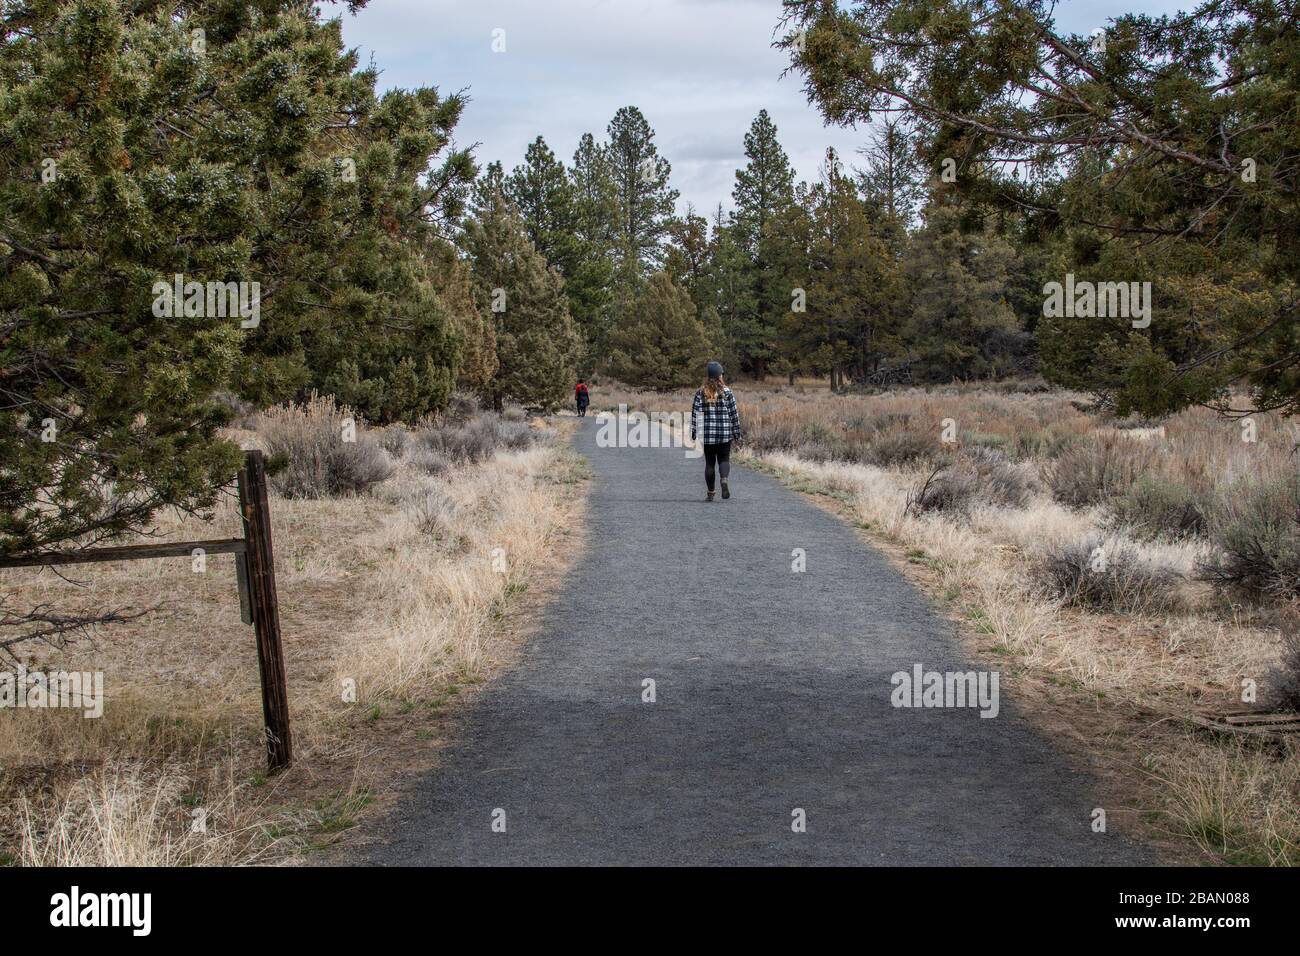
582	397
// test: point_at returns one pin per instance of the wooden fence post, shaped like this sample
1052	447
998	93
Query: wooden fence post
265	607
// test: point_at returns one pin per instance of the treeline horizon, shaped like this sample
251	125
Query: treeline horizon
868	276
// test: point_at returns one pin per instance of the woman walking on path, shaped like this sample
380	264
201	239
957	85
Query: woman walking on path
582	397
715	421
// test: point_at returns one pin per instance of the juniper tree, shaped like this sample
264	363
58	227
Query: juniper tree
660	343
853	286
537	346
227	143
223	142
1168	135
960	324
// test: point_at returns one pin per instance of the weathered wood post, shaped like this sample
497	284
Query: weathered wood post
265	608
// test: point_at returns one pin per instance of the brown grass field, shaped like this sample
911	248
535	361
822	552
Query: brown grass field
393	591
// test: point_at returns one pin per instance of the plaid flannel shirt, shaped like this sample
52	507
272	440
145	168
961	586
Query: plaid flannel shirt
715	422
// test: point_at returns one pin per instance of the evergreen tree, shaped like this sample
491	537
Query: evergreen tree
537	347
763	190
540	189
687	258
661	342
645	201
891	182
595	203
961	324
1166	131
764	187
854	288
734	295
224	143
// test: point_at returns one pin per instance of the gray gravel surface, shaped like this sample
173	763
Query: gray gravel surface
773	694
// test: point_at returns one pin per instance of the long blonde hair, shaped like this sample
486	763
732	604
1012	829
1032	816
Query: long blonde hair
713	389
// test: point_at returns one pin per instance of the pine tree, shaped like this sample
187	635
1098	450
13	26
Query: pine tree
764	187
596	217
537	346
660	343
891	183
540	189
961	321
734	294
645	201
853	286
687	257
763	190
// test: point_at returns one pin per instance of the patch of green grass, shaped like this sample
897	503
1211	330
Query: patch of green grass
980	619
1059	681
340	812
442	698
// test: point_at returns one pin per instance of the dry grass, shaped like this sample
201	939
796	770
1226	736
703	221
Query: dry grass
394	592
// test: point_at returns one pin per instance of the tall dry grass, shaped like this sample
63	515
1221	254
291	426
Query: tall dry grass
397	592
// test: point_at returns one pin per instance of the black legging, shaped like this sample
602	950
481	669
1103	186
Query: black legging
719	454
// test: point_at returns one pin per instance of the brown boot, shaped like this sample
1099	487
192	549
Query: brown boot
710	497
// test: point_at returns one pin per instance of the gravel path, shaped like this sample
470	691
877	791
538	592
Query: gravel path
773	694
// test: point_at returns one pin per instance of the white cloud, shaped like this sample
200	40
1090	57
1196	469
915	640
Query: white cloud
700	70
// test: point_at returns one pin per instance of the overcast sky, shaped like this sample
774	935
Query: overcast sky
700	70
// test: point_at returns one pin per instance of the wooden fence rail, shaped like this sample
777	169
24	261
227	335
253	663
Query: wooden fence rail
255	577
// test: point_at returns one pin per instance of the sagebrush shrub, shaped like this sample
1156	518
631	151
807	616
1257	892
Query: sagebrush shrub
1098	574
1097	470
1254	525
306	444
1284	678
948	490
476	439
1156	507
428	461
899	445
393	439
977	475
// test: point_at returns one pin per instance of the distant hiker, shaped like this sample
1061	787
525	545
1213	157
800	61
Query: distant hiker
582	397
715	421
